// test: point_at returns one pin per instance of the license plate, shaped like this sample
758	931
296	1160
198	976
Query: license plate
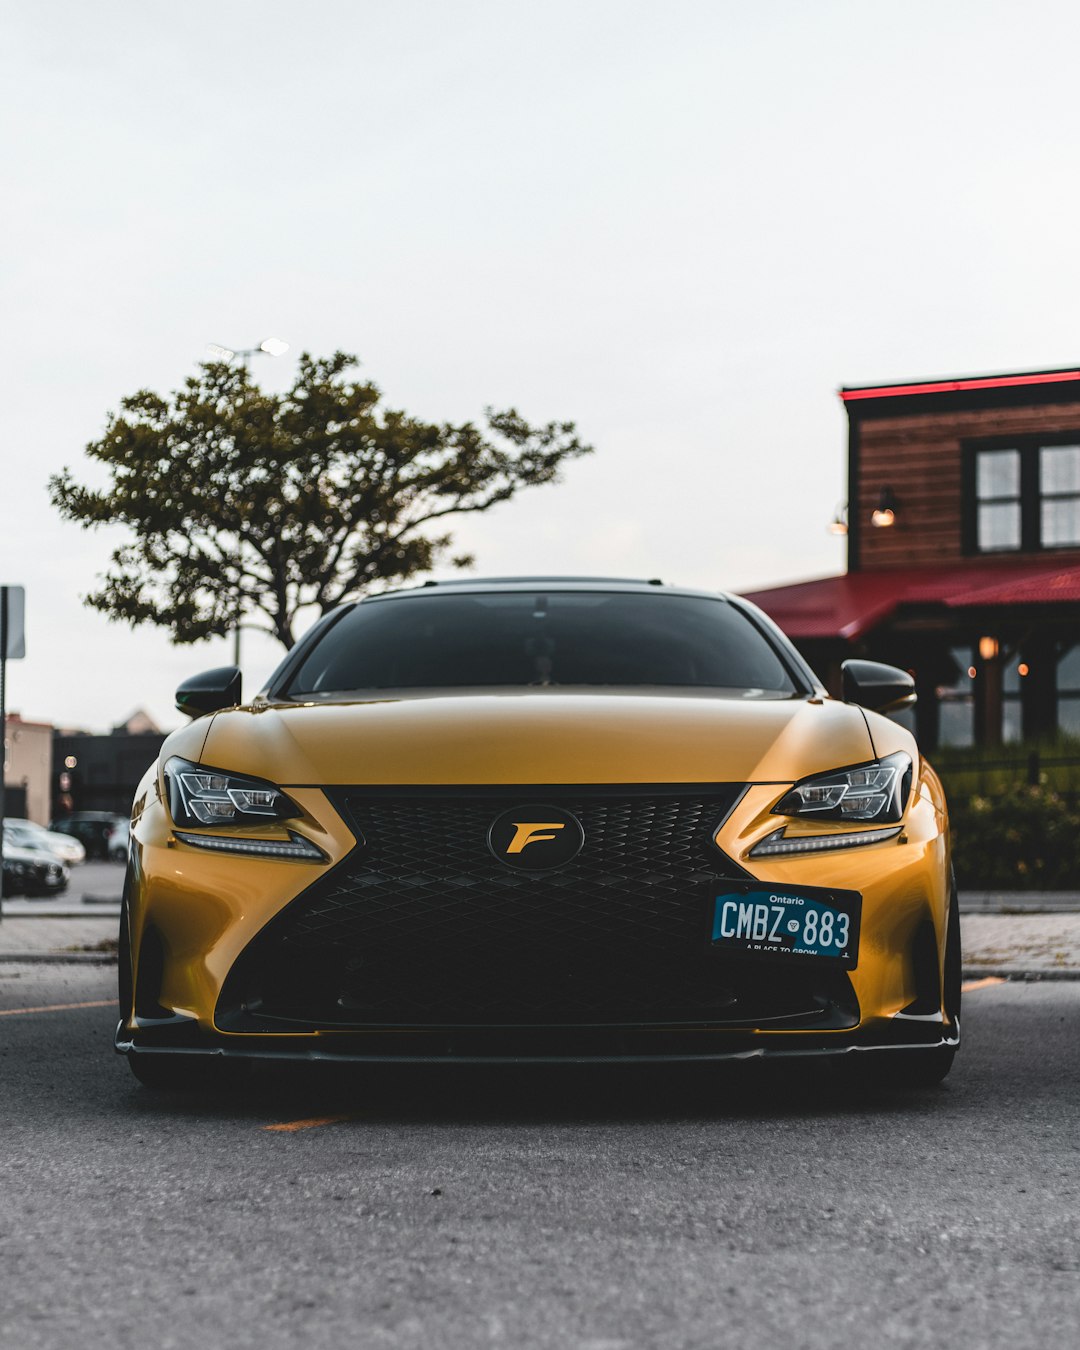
788	923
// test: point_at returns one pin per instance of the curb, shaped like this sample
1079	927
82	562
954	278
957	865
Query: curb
1021	976
58	958
93	915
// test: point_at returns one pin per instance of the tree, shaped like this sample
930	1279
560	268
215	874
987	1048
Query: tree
243	503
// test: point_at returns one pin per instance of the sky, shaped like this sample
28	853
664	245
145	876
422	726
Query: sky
682	226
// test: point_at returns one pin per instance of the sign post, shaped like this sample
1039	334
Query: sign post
13	646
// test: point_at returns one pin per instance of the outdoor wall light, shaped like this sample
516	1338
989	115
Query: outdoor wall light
988	648
838	524
884	514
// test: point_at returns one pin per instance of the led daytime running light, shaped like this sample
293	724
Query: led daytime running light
295	847
775	844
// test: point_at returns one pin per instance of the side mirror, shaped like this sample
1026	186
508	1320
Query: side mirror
877	687
209	692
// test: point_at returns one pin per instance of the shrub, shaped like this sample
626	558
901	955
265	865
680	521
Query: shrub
1022	838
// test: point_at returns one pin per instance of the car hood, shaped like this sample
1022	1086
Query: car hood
549	736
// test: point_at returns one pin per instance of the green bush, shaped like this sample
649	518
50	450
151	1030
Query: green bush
986	770
1022	838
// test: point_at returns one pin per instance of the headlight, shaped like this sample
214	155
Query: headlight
877	791
207	797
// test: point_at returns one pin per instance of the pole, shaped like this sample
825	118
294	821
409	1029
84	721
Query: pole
3	728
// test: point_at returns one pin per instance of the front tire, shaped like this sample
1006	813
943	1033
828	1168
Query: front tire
927	1068
912	1070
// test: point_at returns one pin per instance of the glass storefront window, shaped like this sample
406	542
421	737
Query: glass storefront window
1012	717
1068	693
956	704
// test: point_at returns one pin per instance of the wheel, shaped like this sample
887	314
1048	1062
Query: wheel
125	990
928	1068
189	1073
954	961
910	1070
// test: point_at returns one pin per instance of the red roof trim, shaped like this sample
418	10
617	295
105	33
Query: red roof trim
948	386
848	606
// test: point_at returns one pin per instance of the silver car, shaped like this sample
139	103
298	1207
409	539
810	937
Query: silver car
26	834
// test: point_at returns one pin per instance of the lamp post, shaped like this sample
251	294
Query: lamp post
271	346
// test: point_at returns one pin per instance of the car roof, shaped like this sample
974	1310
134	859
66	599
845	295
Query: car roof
479	585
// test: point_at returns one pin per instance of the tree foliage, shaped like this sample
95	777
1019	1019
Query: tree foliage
245	506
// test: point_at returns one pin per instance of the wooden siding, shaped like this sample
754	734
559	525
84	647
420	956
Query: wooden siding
920	458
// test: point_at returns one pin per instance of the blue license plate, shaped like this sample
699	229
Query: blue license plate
788	923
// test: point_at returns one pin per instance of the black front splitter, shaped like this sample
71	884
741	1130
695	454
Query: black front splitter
633	1046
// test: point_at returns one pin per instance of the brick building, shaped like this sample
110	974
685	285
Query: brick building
963	535
27	768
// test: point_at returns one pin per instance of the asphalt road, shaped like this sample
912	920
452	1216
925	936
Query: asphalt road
578	1210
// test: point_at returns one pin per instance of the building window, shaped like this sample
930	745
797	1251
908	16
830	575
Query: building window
997	489
1026	498
1059	496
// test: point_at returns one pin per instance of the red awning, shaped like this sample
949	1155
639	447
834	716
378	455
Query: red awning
848	606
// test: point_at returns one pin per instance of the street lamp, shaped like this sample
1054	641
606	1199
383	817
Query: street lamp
271	346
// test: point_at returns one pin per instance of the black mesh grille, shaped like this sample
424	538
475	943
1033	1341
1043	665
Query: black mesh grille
423	926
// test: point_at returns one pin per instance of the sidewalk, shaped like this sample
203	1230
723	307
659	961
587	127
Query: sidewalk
1041	946
33	938
1017	946
1019	902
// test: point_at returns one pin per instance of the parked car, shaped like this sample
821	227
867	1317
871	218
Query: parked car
541	820
93	829
27	834
32	872
119	840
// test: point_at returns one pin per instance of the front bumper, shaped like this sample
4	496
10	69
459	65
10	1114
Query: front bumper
193	916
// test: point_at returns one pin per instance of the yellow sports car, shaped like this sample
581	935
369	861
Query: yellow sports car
539	820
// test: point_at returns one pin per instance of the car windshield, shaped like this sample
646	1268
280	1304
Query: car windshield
540	638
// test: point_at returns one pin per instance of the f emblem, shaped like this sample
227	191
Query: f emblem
532	834
532	838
